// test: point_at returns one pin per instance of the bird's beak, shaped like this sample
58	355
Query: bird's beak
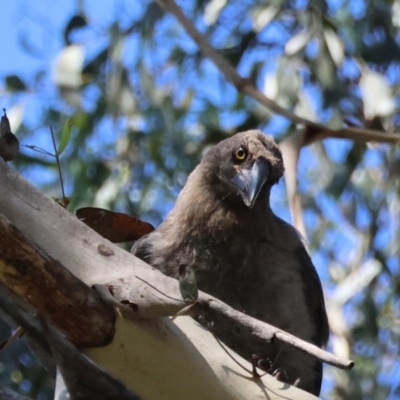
250	181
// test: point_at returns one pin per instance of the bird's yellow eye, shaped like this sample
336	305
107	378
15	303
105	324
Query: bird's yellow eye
240	154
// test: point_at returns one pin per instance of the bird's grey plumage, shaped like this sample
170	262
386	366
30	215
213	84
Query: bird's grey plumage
243	254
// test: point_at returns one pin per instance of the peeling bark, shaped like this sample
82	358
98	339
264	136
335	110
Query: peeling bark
43	282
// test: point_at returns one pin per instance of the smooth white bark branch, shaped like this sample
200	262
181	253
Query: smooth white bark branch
157	357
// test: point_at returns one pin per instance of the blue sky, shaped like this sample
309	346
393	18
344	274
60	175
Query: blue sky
35	23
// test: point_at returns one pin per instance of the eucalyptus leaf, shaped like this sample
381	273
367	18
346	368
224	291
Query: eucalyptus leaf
188	283
66	134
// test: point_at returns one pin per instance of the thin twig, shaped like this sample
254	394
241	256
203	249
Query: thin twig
159	291
59	168
219	310
38	149
264	331
231	356
16	335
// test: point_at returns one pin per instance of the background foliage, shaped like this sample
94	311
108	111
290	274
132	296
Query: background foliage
146	104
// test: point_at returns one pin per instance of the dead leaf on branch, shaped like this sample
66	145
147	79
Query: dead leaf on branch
114	226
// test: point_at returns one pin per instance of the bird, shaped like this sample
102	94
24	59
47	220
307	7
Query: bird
222	226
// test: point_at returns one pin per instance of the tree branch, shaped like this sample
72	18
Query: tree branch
262	330
83	327
318	131
119	273
142	346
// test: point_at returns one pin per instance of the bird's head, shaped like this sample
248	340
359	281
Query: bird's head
246	164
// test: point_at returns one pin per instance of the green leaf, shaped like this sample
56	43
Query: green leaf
65	135
188	283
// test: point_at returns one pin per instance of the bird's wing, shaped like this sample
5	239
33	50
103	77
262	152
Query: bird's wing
314	296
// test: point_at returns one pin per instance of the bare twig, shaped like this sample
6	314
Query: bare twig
16	335
243	85
64	201
260	329
231	356
38	149
159	291
265	331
